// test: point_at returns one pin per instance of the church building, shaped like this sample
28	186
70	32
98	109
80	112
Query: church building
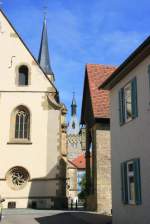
33	128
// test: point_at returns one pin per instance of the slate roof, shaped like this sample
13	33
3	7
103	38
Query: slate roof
97	74
44	59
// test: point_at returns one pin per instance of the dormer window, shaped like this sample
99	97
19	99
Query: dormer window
23	76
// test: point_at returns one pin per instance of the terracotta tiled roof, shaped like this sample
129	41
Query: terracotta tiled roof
79	162
97	74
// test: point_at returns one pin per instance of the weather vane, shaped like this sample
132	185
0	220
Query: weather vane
73	93
45	9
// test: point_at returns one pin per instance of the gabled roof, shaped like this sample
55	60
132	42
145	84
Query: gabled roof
79	162
95	75
27	49
130	63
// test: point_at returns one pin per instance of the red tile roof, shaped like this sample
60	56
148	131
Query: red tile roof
79	162
97	74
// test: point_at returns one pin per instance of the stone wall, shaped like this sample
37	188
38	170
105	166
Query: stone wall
103	167
99	197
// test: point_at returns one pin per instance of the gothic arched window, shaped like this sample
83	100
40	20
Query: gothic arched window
22	123
23	75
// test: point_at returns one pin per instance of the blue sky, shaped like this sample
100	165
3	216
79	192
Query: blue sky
81	32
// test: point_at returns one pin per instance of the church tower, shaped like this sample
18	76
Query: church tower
75	156
74	145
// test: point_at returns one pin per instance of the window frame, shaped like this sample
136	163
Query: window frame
17	75
123	117
126	117
12	135
129	175
125	184
26	75
23	125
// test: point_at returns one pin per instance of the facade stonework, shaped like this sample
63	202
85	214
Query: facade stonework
99	170
103	163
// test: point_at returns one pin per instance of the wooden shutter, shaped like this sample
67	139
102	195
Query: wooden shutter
137	176
134	98
121	106
124	189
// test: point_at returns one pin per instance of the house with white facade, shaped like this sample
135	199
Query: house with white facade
129	87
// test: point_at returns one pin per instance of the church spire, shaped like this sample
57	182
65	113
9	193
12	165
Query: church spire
44	59
73	106
74	127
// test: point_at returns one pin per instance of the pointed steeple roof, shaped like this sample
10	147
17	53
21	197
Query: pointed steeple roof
73	106
44	59
74	127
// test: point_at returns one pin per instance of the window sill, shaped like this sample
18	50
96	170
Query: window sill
128	122
131	204
19	142
23	85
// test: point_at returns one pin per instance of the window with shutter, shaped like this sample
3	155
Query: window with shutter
134	98
124	182
128	108
137	175
121	106
131	182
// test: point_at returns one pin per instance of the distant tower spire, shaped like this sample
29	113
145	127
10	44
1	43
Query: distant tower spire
44	59
73	105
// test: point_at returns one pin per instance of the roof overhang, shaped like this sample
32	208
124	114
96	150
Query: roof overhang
130	63
102	120
82	122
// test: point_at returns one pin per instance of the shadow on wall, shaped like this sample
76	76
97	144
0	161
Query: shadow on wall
49	192
74	218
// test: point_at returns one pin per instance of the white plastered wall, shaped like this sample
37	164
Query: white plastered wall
132	141
41	156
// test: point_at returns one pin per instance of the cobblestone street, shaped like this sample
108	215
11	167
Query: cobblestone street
26	216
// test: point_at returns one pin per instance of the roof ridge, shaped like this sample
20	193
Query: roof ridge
102	65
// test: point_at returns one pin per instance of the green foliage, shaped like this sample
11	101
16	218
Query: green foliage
82	194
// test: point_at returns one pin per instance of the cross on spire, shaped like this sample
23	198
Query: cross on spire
73	94
44	58
45	9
